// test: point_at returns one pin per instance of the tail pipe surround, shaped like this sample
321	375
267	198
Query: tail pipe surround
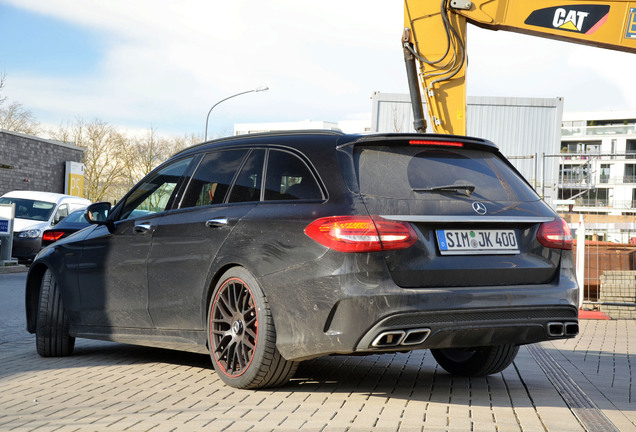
560	329
395	338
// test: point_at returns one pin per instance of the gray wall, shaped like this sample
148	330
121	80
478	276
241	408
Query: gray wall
36	164
524	129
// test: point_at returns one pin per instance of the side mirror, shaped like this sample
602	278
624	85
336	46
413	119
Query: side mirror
97	213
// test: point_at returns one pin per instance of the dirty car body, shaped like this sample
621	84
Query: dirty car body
271	249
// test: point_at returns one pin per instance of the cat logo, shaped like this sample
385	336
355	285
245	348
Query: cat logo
584	19
569	20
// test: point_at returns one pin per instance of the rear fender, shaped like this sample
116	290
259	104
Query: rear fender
32	294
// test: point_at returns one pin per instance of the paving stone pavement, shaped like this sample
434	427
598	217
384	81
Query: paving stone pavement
106	386
586	383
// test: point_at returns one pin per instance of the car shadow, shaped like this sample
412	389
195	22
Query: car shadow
411	376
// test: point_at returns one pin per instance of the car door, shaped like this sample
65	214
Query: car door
113	271
186	241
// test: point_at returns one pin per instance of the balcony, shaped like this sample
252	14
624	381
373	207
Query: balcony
583	131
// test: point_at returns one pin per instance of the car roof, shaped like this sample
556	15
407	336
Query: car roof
45	196
325	138
265	138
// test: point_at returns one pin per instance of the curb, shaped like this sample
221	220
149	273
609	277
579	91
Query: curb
13	269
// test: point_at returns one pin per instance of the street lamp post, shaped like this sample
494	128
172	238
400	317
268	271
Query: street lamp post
207	118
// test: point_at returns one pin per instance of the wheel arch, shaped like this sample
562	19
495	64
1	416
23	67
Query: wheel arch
32	294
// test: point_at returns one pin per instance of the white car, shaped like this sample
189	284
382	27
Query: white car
34	213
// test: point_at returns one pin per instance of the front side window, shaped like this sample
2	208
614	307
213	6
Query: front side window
289	178
154	194
213	178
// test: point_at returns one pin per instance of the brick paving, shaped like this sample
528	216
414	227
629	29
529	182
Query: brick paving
115	387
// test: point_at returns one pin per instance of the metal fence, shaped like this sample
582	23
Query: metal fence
598	190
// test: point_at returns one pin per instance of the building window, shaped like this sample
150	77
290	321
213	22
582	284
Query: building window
605	173
630	174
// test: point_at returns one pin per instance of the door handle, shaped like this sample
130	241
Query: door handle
217	223
142	228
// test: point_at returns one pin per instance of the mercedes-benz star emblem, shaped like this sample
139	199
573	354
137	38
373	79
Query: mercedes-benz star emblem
480	208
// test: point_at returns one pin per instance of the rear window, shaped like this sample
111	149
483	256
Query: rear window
437	174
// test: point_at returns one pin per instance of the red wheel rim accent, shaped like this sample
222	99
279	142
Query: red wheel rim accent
233	327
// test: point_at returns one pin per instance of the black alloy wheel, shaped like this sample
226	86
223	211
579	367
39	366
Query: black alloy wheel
242	336
234	327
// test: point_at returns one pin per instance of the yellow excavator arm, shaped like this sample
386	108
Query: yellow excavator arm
435	39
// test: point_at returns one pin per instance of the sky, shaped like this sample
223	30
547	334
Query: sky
162	64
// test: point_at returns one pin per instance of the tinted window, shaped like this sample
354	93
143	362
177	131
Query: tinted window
248	183
153	195
212	179
410	173
76	217
289	178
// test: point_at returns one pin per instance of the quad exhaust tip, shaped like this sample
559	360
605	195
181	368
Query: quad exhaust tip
557	329
394	338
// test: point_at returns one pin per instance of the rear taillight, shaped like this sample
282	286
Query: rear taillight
52	235
361	233
555	234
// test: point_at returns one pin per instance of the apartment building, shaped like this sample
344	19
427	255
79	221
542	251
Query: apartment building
597	170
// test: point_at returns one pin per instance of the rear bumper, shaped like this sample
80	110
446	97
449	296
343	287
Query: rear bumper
352	312
25	249
470	328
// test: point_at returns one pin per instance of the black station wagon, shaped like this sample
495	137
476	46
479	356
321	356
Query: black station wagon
270	249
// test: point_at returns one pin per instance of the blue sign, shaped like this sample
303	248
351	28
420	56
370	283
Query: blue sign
631	24
4	226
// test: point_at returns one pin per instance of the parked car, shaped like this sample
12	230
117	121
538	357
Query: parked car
36	212
271	249
67	226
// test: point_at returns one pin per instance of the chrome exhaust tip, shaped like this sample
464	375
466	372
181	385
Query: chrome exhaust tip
388	339
416	336
555	329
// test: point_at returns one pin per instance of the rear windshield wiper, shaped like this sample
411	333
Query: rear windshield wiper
468	189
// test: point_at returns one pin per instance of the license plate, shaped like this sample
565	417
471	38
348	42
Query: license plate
477	242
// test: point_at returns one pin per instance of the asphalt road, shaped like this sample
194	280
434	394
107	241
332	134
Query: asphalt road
12	320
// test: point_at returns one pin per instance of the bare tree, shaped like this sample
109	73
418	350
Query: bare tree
142	155
176	144
3	76
14	116
104	156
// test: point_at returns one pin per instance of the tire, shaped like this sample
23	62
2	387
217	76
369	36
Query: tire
242	337
479	361
52	338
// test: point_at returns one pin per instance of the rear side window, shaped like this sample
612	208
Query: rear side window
248	183
288	178
212	178
438	174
